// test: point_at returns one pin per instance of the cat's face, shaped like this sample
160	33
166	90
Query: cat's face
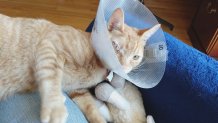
128	42
128	47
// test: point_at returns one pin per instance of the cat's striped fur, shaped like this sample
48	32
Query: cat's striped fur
35	53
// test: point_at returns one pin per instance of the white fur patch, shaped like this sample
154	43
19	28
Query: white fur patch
118	100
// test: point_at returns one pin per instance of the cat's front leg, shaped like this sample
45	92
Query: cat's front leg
48	74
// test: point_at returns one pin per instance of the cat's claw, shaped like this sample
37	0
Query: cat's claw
54	113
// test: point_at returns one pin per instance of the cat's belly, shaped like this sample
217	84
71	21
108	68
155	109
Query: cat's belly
15	79
15	76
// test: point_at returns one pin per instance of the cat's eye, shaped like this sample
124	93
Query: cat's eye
135	57
113	43
116	47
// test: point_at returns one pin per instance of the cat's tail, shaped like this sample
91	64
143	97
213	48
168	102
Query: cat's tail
150	119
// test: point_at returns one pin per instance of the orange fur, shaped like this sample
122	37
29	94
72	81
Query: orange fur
35	53
127	42
31	46
86	102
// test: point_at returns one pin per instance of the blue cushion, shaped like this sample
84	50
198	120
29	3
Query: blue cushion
188	91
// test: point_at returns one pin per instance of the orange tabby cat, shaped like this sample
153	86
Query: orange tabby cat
35	53
129	45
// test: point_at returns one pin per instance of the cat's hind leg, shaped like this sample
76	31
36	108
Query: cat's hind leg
105	112
87	104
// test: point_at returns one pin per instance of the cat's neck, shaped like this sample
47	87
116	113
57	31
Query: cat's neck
96	59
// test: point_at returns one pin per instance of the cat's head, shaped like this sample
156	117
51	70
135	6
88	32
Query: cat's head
128	42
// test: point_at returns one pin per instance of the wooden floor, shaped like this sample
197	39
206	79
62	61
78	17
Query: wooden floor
177	12
79	13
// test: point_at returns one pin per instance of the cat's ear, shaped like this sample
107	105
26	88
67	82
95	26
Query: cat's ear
146	34
116	20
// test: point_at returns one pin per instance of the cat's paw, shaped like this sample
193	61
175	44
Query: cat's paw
150	119
54	112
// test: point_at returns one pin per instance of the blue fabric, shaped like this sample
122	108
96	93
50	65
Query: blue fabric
25	108
188	92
